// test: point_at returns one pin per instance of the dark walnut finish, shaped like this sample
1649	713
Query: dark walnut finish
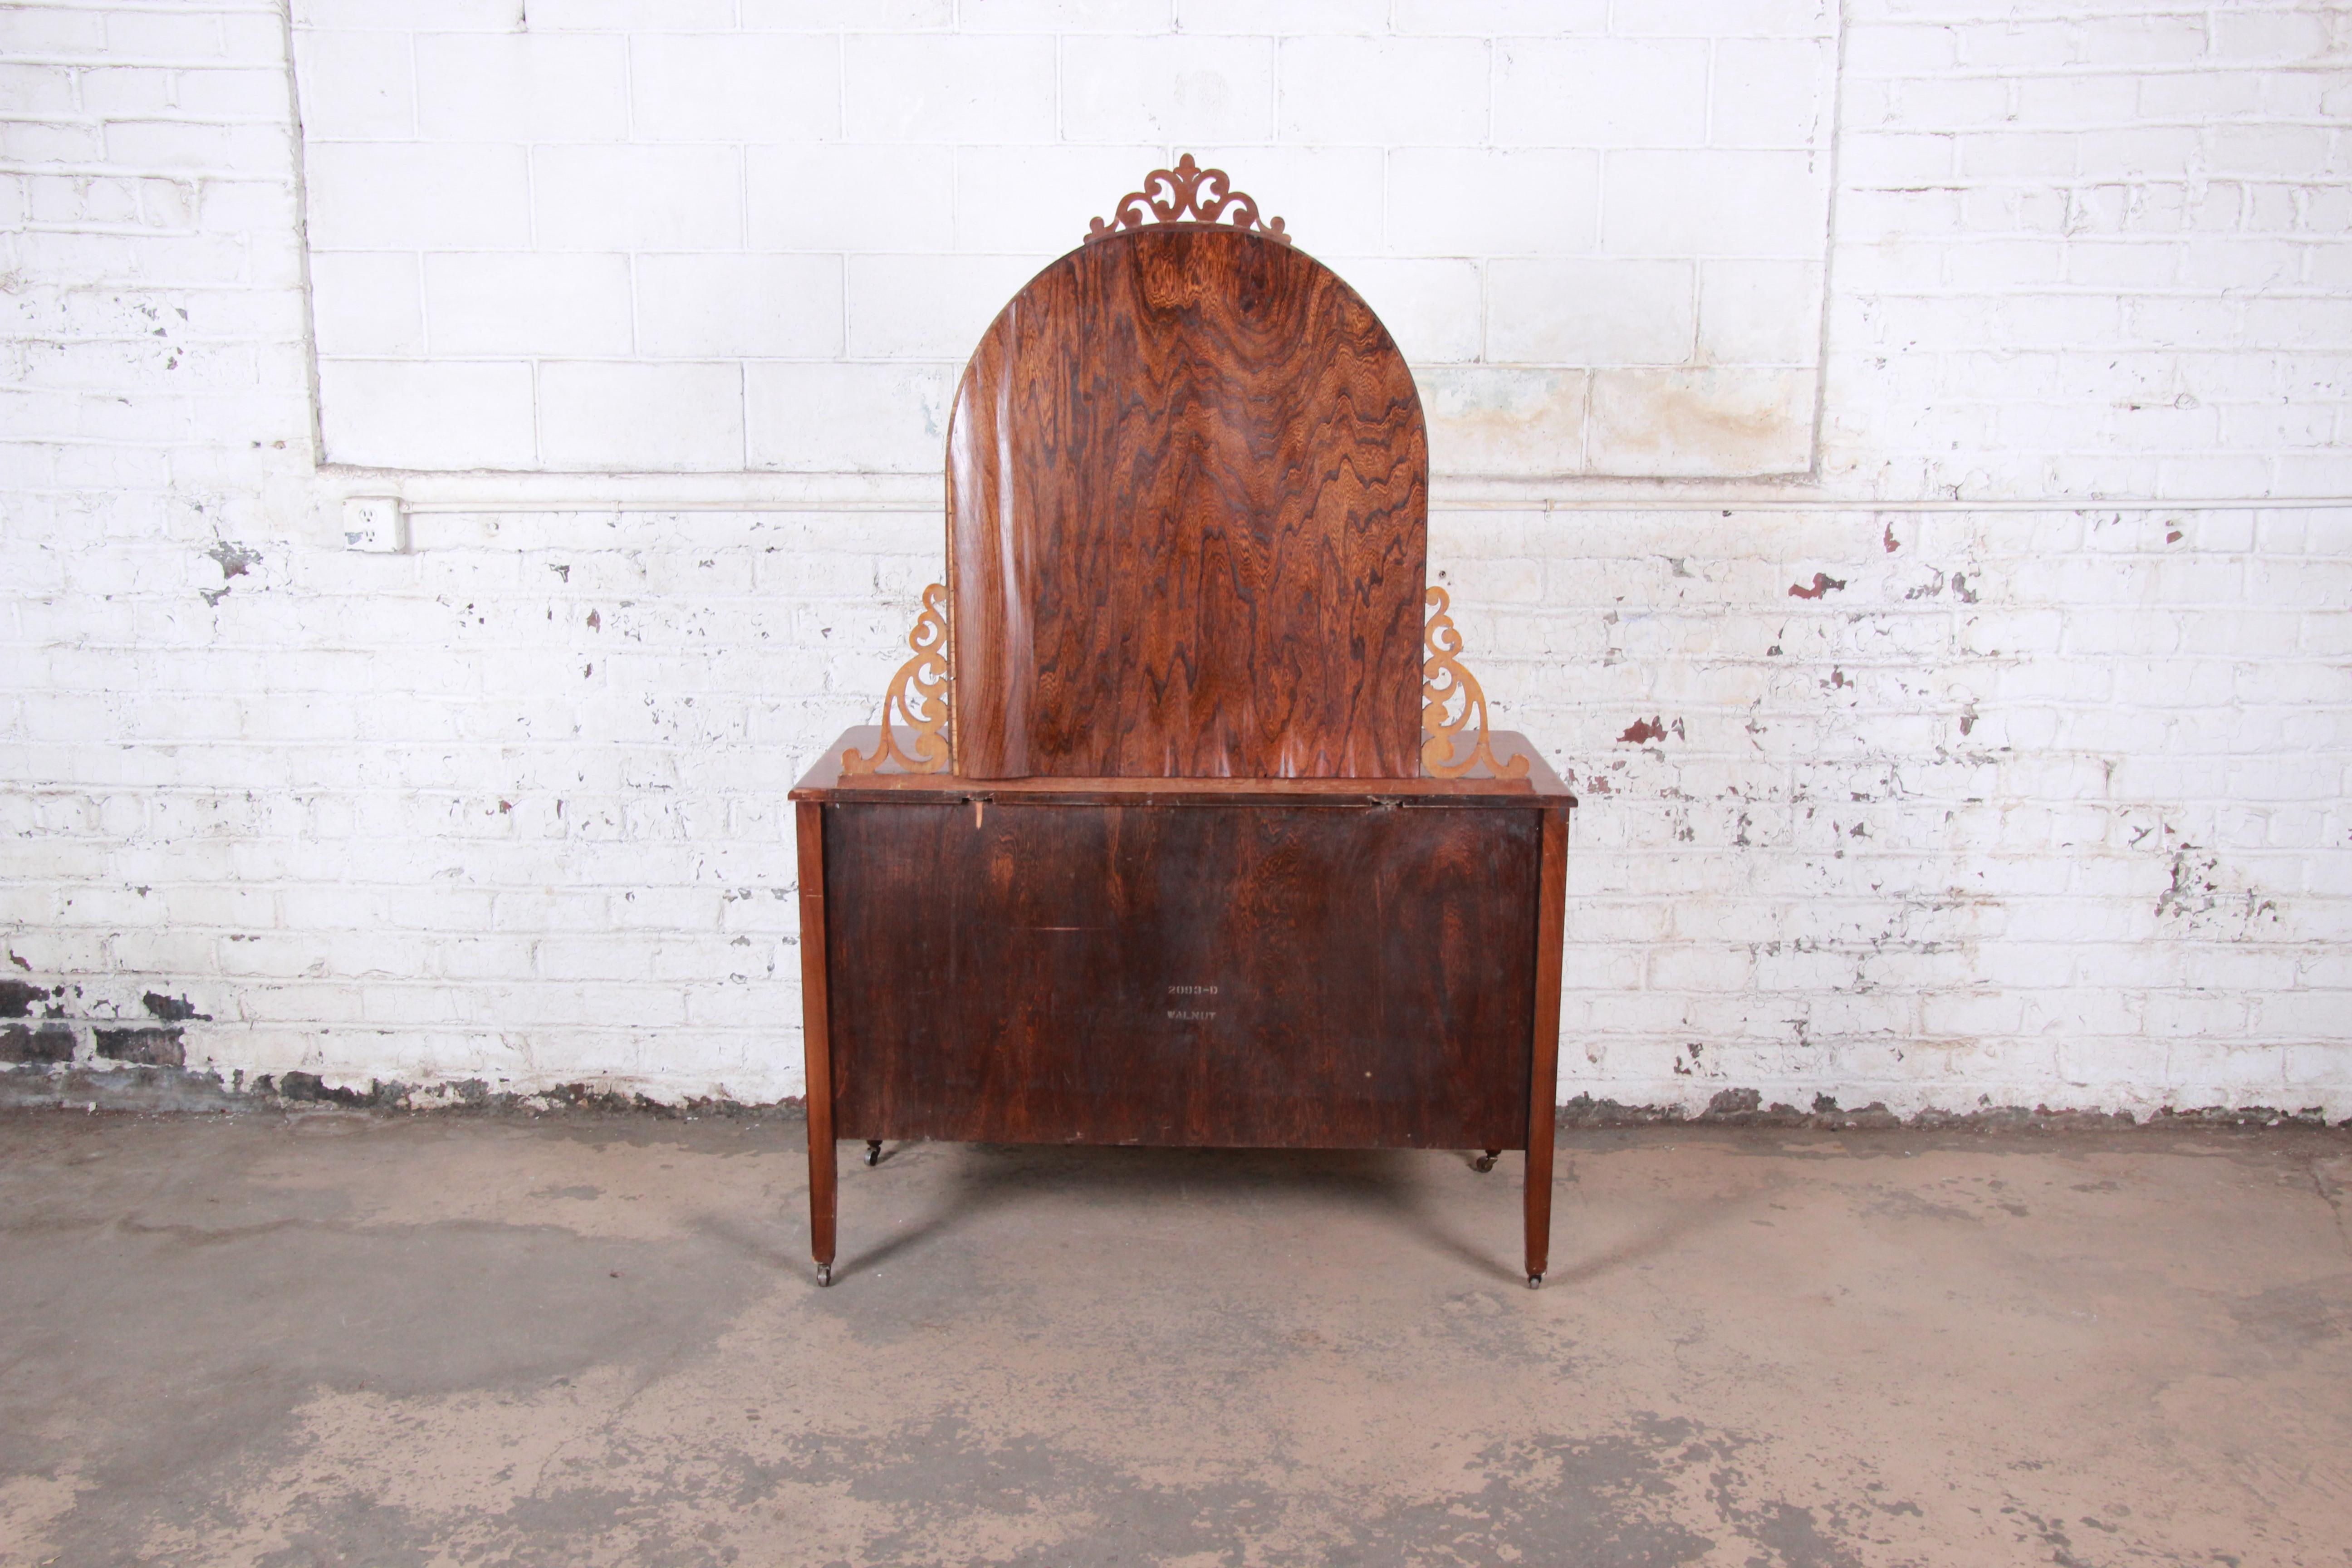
1315	975
1186	876
1188	512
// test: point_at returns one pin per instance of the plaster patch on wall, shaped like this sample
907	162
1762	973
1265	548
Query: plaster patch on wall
735	248
1491	419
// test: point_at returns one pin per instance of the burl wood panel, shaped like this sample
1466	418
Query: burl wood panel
1187	522
1236	975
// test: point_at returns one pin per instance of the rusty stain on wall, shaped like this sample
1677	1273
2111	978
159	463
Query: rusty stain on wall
1702	422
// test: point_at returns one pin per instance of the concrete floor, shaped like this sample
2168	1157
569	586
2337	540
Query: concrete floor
439	1339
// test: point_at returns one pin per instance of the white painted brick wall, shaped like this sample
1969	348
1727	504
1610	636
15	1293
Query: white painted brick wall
2098	249
1506	200
1942	808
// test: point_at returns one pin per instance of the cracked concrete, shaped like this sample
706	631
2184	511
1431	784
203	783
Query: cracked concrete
336	1336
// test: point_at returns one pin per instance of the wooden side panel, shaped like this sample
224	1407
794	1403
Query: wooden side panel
815	1030
1543	1086
1187	522
1250	977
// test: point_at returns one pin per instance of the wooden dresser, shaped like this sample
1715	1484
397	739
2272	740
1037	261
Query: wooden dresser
1184	826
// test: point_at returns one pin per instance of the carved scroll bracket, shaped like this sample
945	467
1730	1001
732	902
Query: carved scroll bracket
1192	194
1446	682
919	694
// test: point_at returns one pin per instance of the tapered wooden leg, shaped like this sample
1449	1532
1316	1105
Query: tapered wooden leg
1543	1081
817	1036
823	1191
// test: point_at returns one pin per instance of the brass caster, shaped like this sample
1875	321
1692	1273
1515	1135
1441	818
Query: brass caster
1486	1161
824	1274
1535	1281
874	1151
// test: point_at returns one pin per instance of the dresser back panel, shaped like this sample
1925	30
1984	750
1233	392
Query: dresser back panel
1246	975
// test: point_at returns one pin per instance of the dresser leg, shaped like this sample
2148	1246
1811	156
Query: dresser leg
1538	1215
1544	1081
1486	1161
824	1197
817	1036
874	1151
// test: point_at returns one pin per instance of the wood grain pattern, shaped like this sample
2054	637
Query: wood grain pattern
1187	520
1312	976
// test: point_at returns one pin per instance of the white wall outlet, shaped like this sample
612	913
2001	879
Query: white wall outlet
374	523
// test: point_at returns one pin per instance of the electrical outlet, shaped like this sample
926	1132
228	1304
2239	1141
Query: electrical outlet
374	523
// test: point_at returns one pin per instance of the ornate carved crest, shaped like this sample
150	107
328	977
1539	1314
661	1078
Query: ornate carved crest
1444	683
1194	195
919	694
